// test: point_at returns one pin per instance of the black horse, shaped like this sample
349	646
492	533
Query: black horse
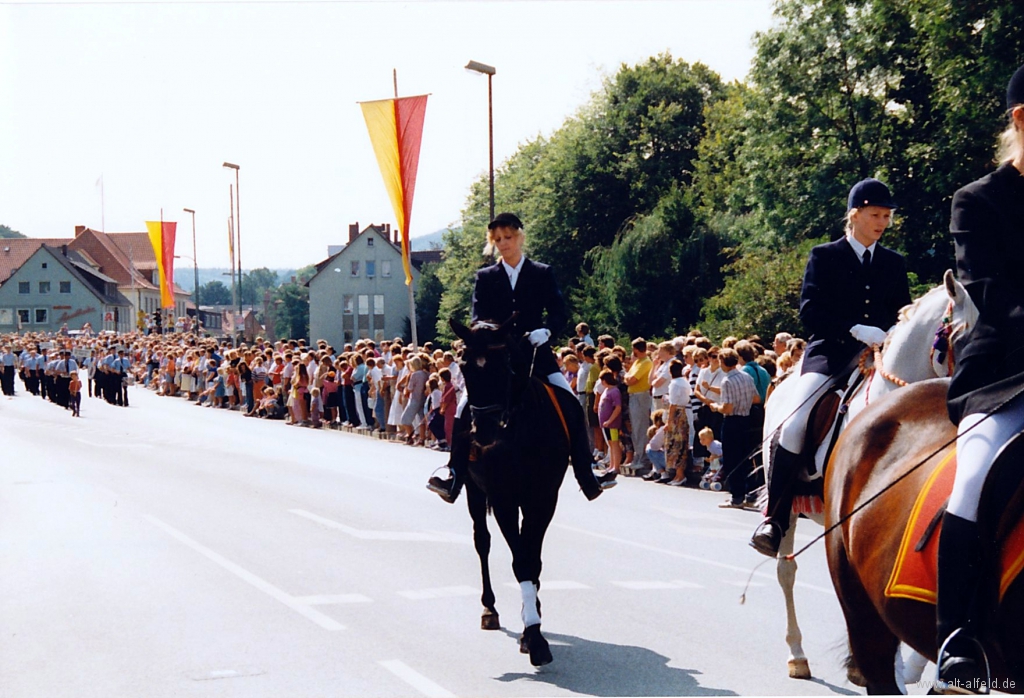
519	452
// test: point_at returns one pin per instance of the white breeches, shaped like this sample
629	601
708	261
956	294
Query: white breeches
979	438
794	429
555	379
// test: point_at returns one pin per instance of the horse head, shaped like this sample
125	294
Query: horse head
926	339
487	367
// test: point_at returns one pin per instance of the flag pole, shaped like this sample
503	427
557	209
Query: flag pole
408	251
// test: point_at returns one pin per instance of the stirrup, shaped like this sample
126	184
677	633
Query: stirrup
970	686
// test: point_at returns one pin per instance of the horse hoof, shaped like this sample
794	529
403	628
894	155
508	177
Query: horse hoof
799	669
533	643
489	621
854	676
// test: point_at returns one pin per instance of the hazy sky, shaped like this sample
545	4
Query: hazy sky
153	97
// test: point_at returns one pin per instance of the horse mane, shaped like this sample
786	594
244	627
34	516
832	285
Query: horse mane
908	311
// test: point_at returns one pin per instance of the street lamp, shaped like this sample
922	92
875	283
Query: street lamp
195	266
238	229
489	71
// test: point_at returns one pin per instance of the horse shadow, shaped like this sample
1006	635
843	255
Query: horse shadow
596	668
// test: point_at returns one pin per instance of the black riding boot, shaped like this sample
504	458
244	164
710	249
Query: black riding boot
458	461
962	664
783	468
580	454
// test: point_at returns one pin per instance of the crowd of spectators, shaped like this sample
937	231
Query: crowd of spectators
681	412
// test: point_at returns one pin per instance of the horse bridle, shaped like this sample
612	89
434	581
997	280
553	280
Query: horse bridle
497	408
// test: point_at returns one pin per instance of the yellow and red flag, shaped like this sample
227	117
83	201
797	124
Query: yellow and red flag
161	237
396	129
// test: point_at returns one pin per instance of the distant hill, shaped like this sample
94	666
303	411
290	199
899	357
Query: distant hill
6	232
184	277
429	242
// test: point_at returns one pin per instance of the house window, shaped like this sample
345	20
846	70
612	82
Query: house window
44	287
363	321
65	287
378	313
42	316
44	265
355	268
6	316
24	287
364	305
369	241
23	316
371	268
346	304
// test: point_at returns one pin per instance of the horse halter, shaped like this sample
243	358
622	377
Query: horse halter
942	352
501	409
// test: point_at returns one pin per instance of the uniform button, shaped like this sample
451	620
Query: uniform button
866	316
867	300
867	288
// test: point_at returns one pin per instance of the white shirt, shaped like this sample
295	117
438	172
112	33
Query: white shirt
582	376
513	272
679	393
662	373
859	248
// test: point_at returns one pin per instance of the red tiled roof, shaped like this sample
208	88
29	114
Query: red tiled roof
111	258
15	251
137	247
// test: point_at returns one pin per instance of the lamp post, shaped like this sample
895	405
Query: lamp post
489	71
195	266
238	229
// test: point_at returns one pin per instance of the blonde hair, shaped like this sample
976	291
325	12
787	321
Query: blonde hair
1008	146
490	248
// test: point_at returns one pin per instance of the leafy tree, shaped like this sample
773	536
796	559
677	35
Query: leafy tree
255	283
428	300
6	232
292	318
761	293
214	293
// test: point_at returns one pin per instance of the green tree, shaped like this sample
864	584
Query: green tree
255	283
428	301
6	232
761	293
292	318
214	293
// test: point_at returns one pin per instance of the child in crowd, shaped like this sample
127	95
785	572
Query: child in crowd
316	408
435	418
655	448
709	480
610	414
449	403
75	394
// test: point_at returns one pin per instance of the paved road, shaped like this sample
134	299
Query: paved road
170	550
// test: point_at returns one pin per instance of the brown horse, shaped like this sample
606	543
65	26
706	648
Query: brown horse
888	452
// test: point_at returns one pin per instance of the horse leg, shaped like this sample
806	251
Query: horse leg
527	567
476	501
785	570
873	645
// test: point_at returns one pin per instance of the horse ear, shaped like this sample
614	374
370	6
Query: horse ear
954	288
460	330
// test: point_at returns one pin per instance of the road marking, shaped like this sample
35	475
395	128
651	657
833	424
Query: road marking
685	556
109	444
380	535
415	679
330	599
324	621
553	586
440	593
654	585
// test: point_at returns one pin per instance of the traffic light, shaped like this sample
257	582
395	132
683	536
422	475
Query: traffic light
158	320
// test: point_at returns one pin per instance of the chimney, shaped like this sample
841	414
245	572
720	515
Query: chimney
353	231
398	238
387	229
64	250
79	229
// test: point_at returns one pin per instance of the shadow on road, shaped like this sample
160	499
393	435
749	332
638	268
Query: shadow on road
603	669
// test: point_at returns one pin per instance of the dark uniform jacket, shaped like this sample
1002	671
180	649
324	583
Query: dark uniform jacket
987	224
839	292
536	294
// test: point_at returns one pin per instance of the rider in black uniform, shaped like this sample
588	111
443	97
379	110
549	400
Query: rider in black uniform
852	293
516	284
985	394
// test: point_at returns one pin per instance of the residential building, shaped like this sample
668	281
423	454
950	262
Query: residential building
54	287
359	291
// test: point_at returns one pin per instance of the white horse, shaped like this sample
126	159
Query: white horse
919	347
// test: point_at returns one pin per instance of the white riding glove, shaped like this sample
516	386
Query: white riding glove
868	335
539	337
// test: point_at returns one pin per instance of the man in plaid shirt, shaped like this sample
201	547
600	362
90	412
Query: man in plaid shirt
738	392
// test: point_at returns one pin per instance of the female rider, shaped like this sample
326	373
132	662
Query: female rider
985	395
852	293
516	284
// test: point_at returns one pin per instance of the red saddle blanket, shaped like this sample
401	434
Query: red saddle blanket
914	573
